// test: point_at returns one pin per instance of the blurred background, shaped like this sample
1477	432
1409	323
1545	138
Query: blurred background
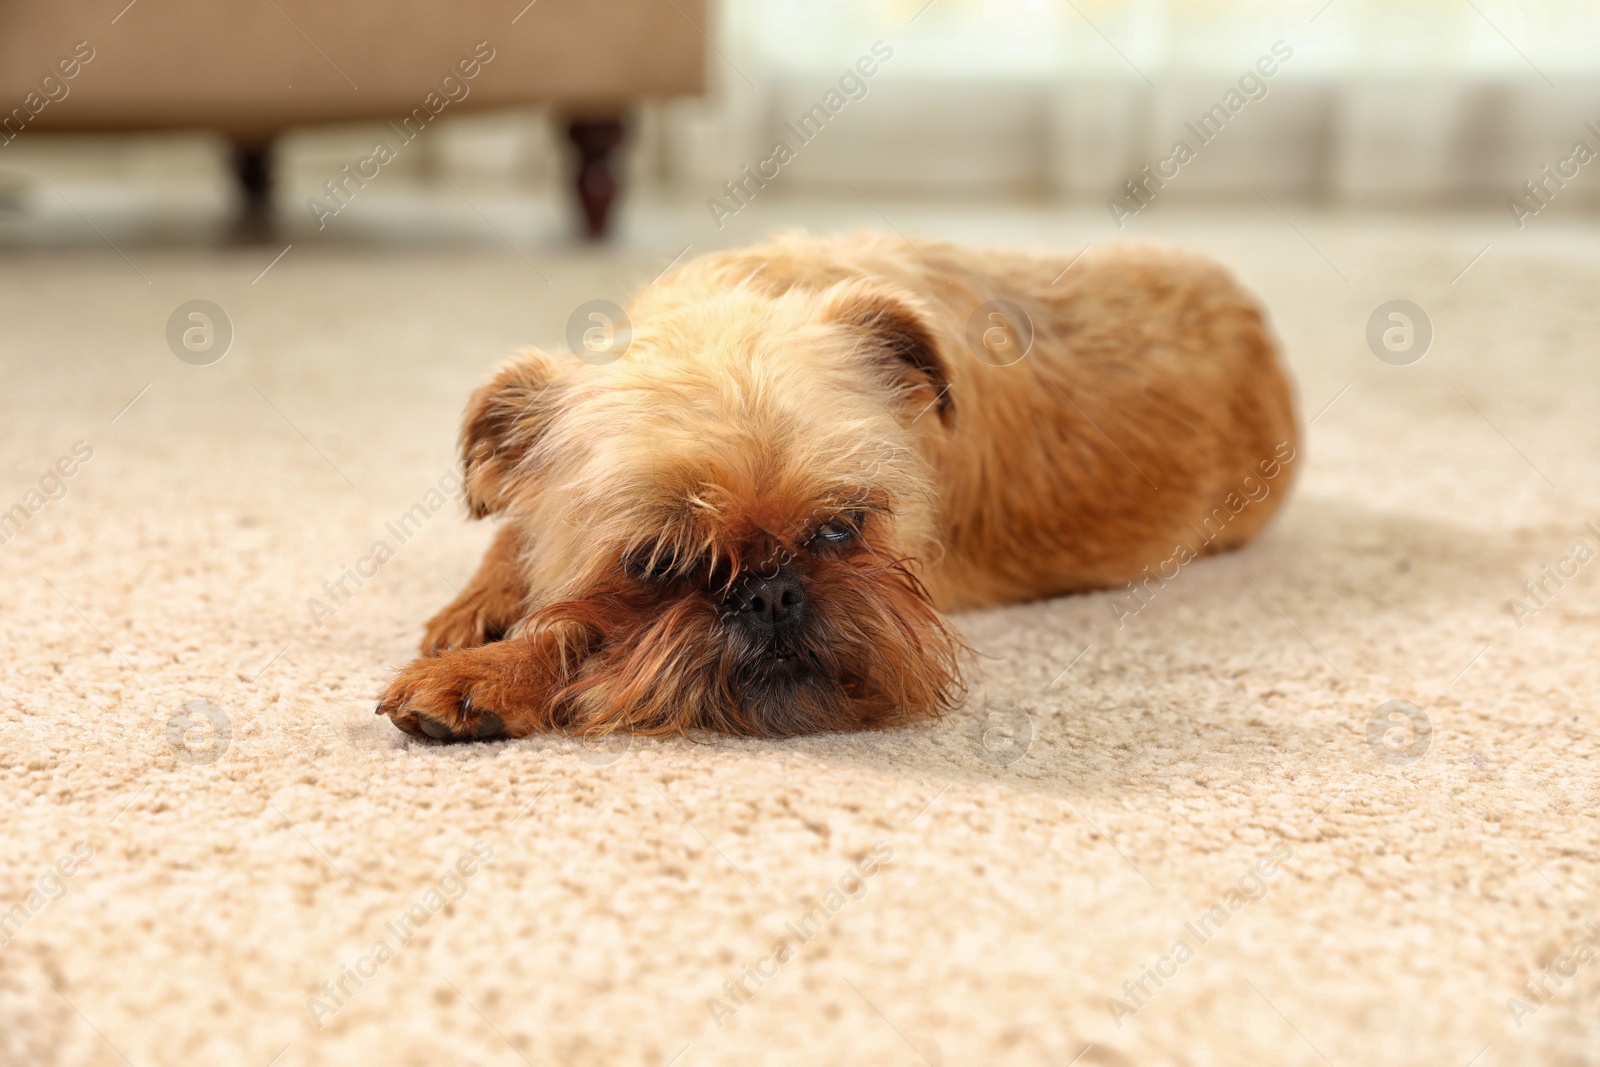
227	122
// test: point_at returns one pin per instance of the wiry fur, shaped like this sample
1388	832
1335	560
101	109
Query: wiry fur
771	389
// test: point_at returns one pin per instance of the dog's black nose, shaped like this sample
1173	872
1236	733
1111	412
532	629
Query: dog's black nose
769	606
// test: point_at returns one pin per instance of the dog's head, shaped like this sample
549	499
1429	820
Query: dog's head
724	527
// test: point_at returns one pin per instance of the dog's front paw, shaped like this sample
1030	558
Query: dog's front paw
432	699
461	625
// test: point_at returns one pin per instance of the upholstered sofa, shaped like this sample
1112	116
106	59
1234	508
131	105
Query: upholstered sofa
251	68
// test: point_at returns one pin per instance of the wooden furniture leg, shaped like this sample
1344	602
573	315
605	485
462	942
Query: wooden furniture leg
252	167
595	139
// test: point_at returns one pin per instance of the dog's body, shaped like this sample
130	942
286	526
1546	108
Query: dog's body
852	425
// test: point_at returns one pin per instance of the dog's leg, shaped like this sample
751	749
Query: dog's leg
490	605
492	691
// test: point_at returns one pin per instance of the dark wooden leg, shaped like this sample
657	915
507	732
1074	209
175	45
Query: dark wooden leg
252	166
596	184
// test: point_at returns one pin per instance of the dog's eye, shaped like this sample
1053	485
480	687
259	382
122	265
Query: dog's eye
651	564
840	530
834	533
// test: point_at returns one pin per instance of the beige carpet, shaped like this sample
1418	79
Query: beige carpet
1202	774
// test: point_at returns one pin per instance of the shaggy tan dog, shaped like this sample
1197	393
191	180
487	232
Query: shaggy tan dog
752	520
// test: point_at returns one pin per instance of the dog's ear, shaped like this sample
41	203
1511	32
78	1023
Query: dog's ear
896	336
505	418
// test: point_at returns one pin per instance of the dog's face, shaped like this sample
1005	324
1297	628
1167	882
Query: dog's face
725	526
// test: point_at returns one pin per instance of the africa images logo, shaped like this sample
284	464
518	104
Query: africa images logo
852	85
1252	490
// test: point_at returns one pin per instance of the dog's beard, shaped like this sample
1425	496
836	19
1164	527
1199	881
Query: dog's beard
872	651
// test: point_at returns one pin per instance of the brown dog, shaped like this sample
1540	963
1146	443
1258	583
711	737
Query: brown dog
752	521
